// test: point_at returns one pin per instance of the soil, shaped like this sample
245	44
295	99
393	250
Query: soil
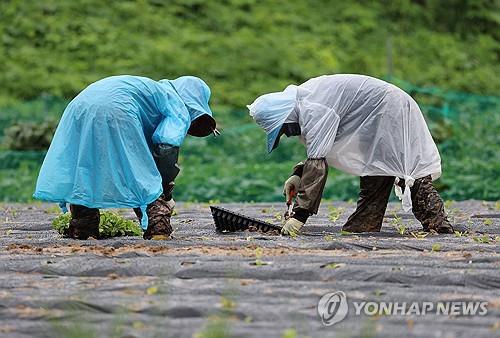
248	283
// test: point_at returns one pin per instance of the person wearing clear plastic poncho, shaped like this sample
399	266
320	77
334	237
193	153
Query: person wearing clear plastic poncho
117	145
363	126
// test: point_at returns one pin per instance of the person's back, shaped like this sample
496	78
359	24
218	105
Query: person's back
347	93
124	94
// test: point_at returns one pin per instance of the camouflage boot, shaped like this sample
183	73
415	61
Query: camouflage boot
159	213
84	223
428	207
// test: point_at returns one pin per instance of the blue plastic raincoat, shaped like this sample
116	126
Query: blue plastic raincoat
100	156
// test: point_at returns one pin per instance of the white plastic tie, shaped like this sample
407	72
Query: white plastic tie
63	207
407	193
404	197
397	189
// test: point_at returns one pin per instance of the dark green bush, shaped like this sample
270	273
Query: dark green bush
30	135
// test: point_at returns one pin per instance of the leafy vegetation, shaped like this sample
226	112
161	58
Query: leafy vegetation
111	225
30	135
50	50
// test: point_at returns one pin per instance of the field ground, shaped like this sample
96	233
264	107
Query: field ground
249	284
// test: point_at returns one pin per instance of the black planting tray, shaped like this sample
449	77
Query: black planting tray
230	221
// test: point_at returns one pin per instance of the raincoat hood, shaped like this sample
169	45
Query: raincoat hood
195	94
270	111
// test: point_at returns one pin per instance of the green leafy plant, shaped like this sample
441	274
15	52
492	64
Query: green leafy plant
30	135
484	239
334	213
110	225
334	265
289	333
258	258
436	247
487	221
329	238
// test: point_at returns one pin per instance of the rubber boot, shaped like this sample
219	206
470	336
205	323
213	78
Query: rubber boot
84	223
159	213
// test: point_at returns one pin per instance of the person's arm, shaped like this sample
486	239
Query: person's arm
312	182
165	157
314	173
167	138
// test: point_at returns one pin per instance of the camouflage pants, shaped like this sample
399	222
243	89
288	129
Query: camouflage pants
159	213
428	207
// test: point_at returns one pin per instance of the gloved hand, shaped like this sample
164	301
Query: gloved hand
292	227
291	186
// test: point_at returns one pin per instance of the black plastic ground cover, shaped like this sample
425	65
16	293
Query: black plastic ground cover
230	221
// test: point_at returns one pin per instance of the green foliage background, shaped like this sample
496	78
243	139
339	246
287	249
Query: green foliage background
50	50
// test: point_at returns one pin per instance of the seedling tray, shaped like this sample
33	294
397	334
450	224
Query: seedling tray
230	221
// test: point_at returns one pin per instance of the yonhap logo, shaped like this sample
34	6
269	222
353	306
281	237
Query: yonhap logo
332	308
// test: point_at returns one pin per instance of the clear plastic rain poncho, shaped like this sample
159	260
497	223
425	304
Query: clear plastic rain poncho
361	125
100	156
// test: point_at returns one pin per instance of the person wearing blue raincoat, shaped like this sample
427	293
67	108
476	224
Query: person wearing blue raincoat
116	146
363	126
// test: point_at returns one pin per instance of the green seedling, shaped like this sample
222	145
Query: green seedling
227	304
448	204
217	327
487	221
484	239
334	213
345	233
110	225
329	238
436	247
397	219
334	265
152	290
397	222
401	229
289	333
278	216
258	255
460	233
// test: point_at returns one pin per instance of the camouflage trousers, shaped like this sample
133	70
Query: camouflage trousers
159	213
428	206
